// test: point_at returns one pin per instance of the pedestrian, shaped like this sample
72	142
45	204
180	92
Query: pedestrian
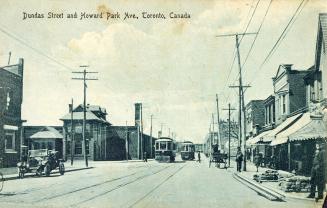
199	156
257	160
145	157
239	159
318	173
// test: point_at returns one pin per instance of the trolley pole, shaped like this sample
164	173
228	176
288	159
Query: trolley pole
218	126
229	110
242	135
72	134
84	72
151	137
126	142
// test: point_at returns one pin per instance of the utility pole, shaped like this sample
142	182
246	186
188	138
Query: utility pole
218	126
126	142
241	96
72	134
213	128
84	72
9	57
229	109
151	136
142	141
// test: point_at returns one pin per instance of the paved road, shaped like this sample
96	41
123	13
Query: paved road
136	184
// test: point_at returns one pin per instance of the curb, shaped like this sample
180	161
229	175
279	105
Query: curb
267	193
273	191
15	177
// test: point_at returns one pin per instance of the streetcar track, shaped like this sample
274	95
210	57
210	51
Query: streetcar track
156	187
120	186
29	190
87	187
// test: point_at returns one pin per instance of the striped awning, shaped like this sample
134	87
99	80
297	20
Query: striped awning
305	128
258	138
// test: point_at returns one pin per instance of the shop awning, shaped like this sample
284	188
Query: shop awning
259	137
281	127
314	130
304	128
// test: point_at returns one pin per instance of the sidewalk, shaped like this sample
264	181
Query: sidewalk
270	187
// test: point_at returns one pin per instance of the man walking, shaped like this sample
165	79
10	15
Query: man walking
318	173
199	156
239	159
145	157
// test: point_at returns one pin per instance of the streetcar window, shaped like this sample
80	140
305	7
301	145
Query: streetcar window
157	145
169	145
185	148
163	145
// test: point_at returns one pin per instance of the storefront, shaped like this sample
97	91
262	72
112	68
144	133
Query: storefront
299	140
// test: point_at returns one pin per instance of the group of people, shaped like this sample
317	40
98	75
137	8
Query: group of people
318	170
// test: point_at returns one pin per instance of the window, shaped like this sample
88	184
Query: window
273	113
163	145
169	146
50	146
157	146
78	147
269	114
10	141
284	104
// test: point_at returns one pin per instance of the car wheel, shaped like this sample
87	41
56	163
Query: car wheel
47	170
61	169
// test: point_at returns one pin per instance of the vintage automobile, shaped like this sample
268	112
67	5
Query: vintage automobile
40	161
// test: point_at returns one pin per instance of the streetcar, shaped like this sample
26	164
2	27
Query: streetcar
187	150
165	150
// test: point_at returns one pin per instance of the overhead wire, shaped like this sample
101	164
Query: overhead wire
23	42
282	35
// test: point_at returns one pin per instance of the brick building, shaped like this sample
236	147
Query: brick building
270	117
102	142
255	117
136	141
289	92
11	98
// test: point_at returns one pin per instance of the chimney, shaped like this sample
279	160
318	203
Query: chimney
138	113
21	67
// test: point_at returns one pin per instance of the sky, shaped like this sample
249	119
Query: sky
174	67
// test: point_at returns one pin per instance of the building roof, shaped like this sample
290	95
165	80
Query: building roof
321	38
323	27
80	115
47	133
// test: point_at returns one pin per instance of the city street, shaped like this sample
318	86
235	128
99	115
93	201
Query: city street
138	184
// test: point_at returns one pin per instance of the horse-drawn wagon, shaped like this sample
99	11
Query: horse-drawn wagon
217	157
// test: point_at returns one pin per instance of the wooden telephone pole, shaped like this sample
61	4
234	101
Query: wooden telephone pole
229	110
218	126
84	72
72	149
242	136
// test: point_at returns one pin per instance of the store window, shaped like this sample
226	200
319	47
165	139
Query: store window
10	141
